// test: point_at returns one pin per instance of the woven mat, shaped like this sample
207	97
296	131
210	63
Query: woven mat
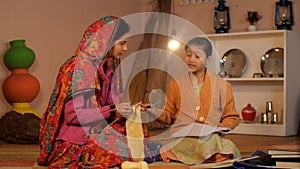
23	156
14	156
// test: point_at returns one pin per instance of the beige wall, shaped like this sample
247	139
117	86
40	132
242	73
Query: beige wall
53	28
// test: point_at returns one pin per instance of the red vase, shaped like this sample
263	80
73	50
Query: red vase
19	89
20	86
248	113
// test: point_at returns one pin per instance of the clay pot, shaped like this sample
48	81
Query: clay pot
20	86
248	113
18	55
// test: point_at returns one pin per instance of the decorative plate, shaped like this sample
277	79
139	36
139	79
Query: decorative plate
234	63
272	62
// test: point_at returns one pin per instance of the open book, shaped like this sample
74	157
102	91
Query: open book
200	130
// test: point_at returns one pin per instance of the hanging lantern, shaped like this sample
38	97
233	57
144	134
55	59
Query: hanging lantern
284	15
221	17
173	43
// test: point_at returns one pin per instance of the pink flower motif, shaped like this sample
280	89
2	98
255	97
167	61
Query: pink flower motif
193	146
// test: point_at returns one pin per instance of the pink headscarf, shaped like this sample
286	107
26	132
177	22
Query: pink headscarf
77	74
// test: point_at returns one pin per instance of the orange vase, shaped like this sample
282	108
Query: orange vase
20	86
19	89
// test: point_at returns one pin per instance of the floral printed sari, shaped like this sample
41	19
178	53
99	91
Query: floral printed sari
106	143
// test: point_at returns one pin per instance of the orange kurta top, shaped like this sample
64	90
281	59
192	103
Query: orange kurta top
214	106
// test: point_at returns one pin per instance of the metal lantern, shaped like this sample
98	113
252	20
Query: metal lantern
284	15
221	17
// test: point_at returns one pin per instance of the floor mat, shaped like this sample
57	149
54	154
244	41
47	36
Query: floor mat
23	156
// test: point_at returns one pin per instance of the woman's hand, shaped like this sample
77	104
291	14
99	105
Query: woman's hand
124	109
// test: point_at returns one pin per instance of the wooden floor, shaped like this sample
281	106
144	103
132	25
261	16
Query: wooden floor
248	144
12	156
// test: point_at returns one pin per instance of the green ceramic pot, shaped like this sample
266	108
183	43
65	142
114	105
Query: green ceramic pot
18	56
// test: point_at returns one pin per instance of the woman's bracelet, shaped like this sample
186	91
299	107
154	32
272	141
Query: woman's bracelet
112	107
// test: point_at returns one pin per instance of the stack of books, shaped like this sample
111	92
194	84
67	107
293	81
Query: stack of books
285	158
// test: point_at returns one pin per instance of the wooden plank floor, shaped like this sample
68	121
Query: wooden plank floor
14	156
248	144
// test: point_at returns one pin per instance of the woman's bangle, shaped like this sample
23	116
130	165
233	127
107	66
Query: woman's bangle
112	107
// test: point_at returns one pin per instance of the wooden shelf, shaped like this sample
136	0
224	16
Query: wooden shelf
254	33
260	129
255	79
284	92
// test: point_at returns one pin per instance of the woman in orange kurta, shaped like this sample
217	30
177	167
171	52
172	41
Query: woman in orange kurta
198	97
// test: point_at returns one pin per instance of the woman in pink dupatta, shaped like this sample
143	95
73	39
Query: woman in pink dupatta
82	126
